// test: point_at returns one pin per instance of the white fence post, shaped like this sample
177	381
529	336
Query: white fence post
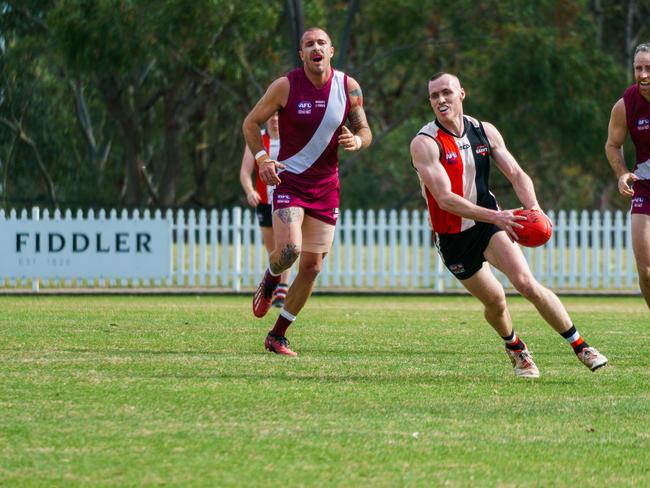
347	250
573	248
36	213
203	230
191	240
629	258
236	244
358	247
381	248
619	230
403	247
595	249
392	242
180	248
370	249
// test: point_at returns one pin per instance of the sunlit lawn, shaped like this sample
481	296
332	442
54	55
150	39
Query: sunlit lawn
387	391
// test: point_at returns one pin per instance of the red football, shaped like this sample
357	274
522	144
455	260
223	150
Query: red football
537	228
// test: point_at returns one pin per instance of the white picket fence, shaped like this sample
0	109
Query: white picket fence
382	250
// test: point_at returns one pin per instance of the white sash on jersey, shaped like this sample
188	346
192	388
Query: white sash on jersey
642	170
274	150
332	120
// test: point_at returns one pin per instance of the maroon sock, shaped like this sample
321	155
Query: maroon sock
285	319
273	280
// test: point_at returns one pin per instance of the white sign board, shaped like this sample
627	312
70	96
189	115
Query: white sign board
85	248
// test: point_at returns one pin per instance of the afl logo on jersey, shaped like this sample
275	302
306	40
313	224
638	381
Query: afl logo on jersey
481	149
451	158
304	108
643	124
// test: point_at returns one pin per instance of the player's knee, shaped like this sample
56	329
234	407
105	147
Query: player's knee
528	288
287	255
644	276
495	304
310	270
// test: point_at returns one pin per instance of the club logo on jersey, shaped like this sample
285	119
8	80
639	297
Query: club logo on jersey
321	103
482	149
451	157
643	124
282	198
335	213
304	108
457	268
463	146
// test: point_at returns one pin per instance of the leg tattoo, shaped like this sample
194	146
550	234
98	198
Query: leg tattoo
288	256
289	215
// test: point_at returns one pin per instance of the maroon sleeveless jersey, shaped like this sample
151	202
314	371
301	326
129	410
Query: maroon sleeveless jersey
637	115
310	124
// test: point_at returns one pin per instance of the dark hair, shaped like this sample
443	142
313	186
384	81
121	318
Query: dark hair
311	29
439	74
642	48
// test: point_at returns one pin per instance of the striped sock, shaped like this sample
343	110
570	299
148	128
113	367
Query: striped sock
573	337
285	319
513	342
281	291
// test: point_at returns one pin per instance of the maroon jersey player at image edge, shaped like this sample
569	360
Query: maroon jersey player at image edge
631	115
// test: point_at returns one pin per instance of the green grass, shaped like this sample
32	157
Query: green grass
387	391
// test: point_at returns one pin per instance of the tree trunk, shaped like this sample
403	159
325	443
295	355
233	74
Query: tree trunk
97	156
130	140
202	194
597	10
630	42
172	153
344	45
296	20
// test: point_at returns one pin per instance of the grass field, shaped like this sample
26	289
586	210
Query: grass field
387	391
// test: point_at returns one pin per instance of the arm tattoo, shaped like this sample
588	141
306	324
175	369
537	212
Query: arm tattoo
357	119
357	93
289	215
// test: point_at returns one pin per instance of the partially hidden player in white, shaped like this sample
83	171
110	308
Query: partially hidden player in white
260	197
452	157
631	114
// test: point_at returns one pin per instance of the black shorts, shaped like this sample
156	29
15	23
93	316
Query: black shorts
463	252
264	213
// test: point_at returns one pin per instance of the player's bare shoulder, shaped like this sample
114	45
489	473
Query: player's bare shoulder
424	148
493	135
618	112
424	151
278	92
355	93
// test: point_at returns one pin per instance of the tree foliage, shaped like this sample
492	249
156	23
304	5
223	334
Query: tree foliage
140	103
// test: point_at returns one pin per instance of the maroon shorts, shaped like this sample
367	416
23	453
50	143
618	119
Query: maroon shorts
320	201
641	198
640	205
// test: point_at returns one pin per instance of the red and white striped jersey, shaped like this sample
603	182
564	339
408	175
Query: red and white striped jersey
272	147
466	159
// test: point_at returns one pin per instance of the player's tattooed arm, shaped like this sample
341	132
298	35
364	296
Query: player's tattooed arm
357	115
